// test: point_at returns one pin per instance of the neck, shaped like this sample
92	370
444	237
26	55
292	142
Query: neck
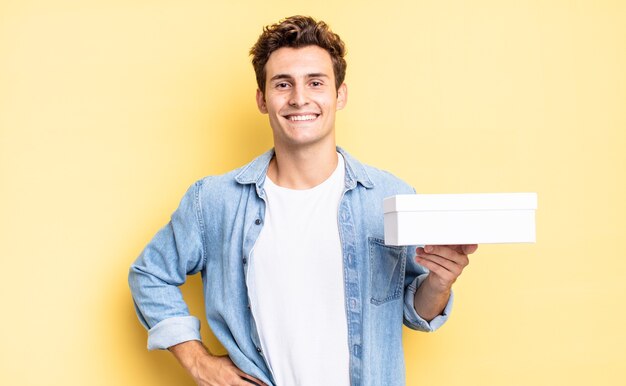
304	168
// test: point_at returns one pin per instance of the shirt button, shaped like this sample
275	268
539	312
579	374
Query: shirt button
245	261
257	221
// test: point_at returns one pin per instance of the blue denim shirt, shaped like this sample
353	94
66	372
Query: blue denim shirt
213	232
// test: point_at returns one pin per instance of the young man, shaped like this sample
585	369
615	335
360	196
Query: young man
299	285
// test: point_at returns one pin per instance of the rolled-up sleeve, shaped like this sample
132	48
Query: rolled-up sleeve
177	250
172	331
412	318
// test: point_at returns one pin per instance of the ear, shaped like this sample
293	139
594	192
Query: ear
342	96
260	101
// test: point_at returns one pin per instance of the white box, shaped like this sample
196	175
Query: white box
442	219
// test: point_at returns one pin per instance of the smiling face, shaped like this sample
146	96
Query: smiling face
300	97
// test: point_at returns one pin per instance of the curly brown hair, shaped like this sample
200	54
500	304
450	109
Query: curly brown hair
295	32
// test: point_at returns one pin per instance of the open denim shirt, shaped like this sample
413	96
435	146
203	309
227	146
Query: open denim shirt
213	232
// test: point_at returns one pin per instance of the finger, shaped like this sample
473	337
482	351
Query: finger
447	264
248	382
454	263
464	249
441	250
457	248
249	379
447	252
437	270
253	381
469	248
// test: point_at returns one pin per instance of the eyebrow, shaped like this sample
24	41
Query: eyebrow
287	76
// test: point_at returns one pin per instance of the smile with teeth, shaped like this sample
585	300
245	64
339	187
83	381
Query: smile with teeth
305	117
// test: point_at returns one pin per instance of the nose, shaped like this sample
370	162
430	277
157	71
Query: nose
298	97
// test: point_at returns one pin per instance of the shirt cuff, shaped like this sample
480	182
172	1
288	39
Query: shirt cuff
172	331
411	317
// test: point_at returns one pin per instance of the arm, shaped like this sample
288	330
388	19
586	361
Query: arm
445	264
176	251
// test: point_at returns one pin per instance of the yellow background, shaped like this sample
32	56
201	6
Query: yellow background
110	109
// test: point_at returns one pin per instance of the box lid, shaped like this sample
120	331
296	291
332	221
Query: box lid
468	201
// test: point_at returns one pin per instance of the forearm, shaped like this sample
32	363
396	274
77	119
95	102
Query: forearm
430	302
189	353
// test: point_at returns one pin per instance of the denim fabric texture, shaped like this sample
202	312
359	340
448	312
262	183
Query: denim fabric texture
213	231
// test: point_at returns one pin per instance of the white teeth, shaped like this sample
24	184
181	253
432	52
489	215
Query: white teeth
302	117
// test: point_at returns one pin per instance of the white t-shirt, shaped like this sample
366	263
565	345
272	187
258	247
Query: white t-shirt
295	284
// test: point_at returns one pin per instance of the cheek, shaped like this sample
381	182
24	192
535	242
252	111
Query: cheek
323	104
329	102
276	104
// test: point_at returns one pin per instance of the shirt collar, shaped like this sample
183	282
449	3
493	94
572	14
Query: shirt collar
255	171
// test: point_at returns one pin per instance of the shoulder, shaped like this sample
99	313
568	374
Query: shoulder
384	177
387	184
220	185
237	179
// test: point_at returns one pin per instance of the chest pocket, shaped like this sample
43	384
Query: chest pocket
387	265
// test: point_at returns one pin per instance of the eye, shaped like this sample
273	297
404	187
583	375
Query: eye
282	85
316	83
